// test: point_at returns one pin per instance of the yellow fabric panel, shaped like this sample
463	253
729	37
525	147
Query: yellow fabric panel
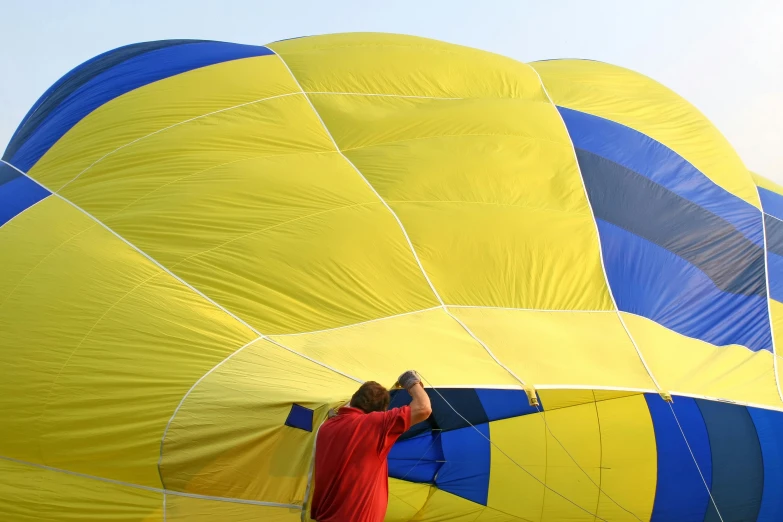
636	101
480	169
122	437
229	437
685	365
779	369
514	265
82	345
358	122
573	463
30	237
445	507
32	494
274	228
768	184
37	330
185	509
206	210
396	64
331	269
431	342
629	463
158	105
284	125
560	348
545	223
513	487
608	395
491	515
262	235
565	398
405	499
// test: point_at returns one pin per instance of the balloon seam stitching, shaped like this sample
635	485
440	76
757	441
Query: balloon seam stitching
366	181
513	461
377	319
598	486
25	210
382	95
226	109
566	386
769	304
474	336
178	278
695	338
606	279
171	127
308	487
187	394
773	217
402	228
188	285
150	488
600	453
598	233
399	222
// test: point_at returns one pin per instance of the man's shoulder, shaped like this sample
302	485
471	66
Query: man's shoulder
390	414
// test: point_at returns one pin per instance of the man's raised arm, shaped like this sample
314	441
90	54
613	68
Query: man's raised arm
421	408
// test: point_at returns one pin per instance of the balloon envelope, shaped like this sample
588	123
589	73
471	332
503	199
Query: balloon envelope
206	246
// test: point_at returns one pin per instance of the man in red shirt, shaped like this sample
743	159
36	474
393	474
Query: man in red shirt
351	482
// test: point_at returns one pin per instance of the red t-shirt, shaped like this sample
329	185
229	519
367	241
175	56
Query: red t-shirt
351	482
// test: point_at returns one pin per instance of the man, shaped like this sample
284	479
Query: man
351	482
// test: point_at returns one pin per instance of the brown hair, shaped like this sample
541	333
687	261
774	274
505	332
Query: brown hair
371	397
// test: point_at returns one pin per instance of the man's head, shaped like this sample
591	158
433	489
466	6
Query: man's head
371	397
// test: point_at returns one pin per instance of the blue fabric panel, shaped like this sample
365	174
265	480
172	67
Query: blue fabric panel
504	404
75	79
680	493
466	403
653	160
403	398
775	267
737	466
769	426
8	173
17	193
771	202
120	79
774	229
631	201
464	400
650	281
417	459
300	417
466	470
399	398
774	234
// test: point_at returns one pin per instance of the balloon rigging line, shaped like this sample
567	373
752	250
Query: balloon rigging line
432	443
543	416
695	462
511	459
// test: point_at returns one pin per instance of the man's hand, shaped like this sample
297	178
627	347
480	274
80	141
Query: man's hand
409	379
421	408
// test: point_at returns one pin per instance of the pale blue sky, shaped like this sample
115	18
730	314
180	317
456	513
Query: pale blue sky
725	57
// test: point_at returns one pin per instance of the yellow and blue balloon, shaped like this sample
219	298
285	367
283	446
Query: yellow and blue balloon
206	246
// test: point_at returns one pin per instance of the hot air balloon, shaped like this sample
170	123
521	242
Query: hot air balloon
207	246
